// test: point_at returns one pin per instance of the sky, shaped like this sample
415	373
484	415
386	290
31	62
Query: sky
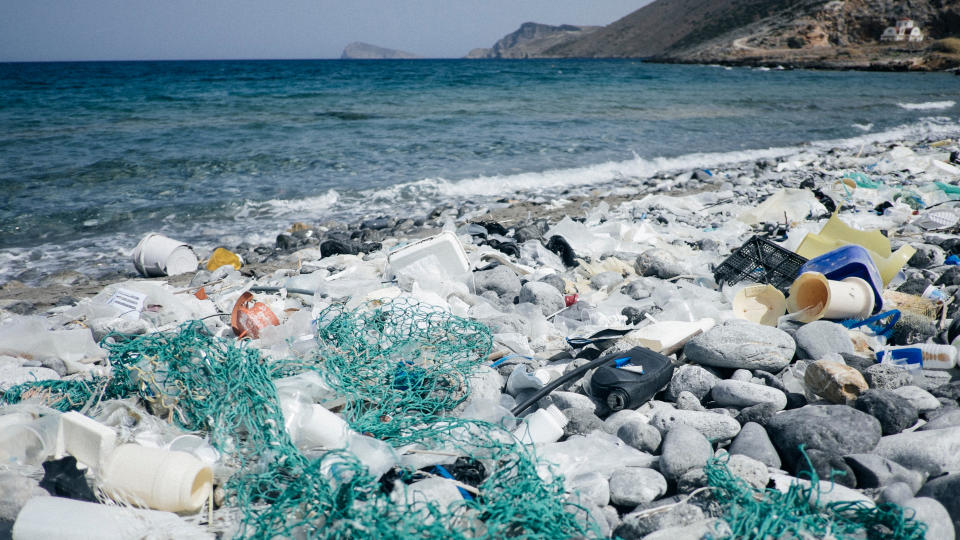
48	30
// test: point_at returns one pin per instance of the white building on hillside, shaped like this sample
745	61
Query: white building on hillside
905	30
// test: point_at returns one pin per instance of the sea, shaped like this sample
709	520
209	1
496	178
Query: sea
94	155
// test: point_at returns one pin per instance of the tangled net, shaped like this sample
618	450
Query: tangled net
800	513
402	368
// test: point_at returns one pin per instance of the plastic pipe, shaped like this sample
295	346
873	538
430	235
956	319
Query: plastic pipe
542	426
44	518
157	478
821	298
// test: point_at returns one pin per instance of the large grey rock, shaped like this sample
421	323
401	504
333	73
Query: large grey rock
894	412
948	419
684	448
873	471
640	435
500	280
924	401
828	466
739	394
753	442
593	487
933	452
693	379
573	400
645	520
630	486
542	295
834	429
940	526
887	376
760	413
714	426
820	338
613	422
742	344
945	490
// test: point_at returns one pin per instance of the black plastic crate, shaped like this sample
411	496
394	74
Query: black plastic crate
760	260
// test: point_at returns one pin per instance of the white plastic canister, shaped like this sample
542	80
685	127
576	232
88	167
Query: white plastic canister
542	426
157	478
157	255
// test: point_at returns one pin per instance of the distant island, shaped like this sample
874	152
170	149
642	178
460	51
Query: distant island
828	34
364	51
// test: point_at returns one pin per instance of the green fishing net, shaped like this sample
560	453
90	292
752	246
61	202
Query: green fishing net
800	513
402	368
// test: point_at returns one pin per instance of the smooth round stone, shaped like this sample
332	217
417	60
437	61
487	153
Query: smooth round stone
753	442
820	338
873	471
716	427
933	452
948	419
640	523
580	422
691	378
749	470
742	344
630	486
683	449
640	435
542	295
613	422
688	402
935	515
742	375
945	489
731	393
921	399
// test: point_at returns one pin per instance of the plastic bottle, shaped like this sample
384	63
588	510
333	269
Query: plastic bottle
43	518
542	426
157	478
934	356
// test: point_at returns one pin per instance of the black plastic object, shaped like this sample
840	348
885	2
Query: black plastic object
61	478
760	260
631	378
561	247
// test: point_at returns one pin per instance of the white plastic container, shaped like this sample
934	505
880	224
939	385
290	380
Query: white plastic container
156	255
445	248
851	298
46	518
935	356
542	426
318	427
157	478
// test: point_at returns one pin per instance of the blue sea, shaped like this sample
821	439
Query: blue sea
94	155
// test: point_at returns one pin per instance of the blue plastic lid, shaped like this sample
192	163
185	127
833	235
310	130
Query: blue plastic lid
849	261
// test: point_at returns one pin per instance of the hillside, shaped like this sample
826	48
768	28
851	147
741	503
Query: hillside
801	33
532	39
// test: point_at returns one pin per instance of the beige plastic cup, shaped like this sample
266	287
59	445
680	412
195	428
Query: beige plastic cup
820	298
762	304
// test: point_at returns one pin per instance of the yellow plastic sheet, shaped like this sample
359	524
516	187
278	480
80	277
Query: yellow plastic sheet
224	257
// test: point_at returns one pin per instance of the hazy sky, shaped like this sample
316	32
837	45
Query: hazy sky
180	29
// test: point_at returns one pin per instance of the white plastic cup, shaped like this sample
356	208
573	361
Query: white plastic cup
157	478
542	426
821	298
43	518
157	255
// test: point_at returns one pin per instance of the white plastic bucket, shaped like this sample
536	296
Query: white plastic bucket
157	478
851	298
156	255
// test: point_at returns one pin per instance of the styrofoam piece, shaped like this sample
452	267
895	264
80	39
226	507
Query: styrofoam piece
667	337
445	248
44	518
762	304
157	255
85	439
157	478
821	298
542	426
